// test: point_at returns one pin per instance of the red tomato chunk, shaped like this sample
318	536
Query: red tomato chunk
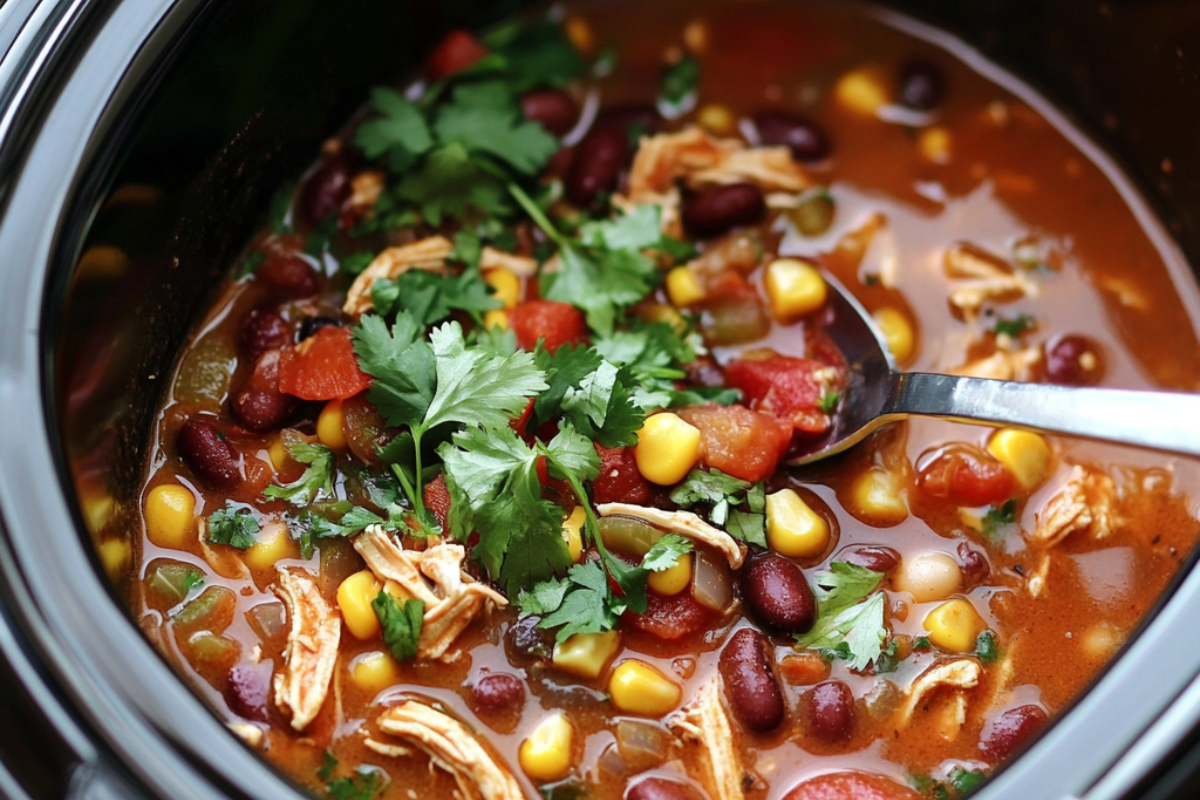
966	476
556	323
619	480
743	443
459	50
322	367
785	386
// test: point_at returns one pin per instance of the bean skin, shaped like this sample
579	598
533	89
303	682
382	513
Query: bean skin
750	684
327	188
975	566
214	461
831	711
658	789
778	596
596	166
873	557
247	690
289	274
259	405
262	329
716	209
1073	361
805	139
1004	734
556	110
856	785
498	692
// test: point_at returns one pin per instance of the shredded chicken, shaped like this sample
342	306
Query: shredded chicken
984	277
427	254
491	258
669	202
1086	502
1035	584
312	647
684	523
955	673
250	734
365	188
705	723
434	576
1003	365
451	746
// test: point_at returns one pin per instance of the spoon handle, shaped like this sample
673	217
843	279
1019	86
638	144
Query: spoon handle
1167	421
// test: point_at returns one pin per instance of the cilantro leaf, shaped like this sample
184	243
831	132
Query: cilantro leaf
997	521
1015	326
966	781
573	452
431	297
537	54
401	623
602	407
449	182
280	211
579	603
400	133
666	552
484	117
987	648
636	230
828	402
600	283
565	368
749	527
708	486
316	480
355	263
233	525
847	627
402	365
364	785
678	89
532	529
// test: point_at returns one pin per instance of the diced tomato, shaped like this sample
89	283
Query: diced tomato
522	422
562	488
437	499
556	323
670	617
457	51
619	480
966	476
322	367
743	443
784	386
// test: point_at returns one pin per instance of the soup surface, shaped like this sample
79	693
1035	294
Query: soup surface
474	479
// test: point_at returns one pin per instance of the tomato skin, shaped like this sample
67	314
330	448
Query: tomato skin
671	617
437	499
743	443
457	51
784	386
964	475
856	785
322	367
619	480
557	323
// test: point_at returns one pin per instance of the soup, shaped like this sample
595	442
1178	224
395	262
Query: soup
475	477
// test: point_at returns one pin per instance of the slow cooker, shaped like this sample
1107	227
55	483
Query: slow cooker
163	126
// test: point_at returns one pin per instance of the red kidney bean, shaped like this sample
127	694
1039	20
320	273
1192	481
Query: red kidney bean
259	405
556	110
525	640
498	692
289	274
659	789
214	461
310	325
777	595
831	711
596	165
856	785
262	329
631	121
705	371
749	680
806	140
975	566
874	557
716	209
327	188
1073	360
922	85
247	688
1005	733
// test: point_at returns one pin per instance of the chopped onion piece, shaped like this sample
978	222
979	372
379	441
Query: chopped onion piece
712	582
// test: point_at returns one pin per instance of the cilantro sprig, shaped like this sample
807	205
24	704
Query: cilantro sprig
233	525
849	615
317	479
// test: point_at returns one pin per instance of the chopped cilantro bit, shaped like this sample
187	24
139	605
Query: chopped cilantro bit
233	525
537	54
1014	327
888	659
966	781
666	552
605	62
363	785
316	480
400	133
750	528
922	644
281	209
871	279
998	520
579	603
401	623
355	263
678	89
486	118
320	237
987	648
829	402
431	297
449	182
468	247
848	628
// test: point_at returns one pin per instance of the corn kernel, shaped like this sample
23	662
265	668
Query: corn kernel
354	598
795	288
573	533
546	755
897	332
954	626
793	528
375	671
928	576
934	145
1026	454
717	119
273	544
115	555
170	514
586	654
278	454
667	448
875	498
674	579
661	312
579	33
638	688
862	91
696	37
495	318
329	426
506	285
683	288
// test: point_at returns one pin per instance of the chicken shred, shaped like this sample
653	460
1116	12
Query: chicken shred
312	648
428	254
705	723
985	277
684	523
956	673
491	258
365	189
1003	365
1086	502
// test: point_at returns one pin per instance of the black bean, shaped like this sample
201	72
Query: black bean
327	188
310	325
777	595
556	110
1006	732
805	138
831	711
262	329
658	789
716	209
750	683
922	85
1073	360
259	405
498	692
596	165
214	461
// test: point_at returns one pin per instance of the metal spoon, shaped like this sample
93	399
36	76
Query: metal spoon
879	394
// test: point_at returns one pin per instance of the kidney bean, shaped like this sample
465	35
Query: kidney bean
857	785
805	139
263	328
247	688
556	110
631	121
289	274
498	692
596	165
776	593
975	566
874	557
716	209
327	188
658	789
922	85
705	371
525	640
214	461
1073	360
310	325
749	680
259	405
831	711
1005	733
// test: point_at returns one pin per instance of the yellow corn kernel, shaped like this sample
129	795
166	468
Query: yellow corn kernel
683	288
897	332
579	33
862	91
115	555
273	544
794	529
638	688
375	671
661	312
1026	454
546	755
954	626
795	288
506	285
354	598
573	533
875	498
586	654
279	454
934	145
667	448
329	426
170	514
674	579
717	119
495	318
